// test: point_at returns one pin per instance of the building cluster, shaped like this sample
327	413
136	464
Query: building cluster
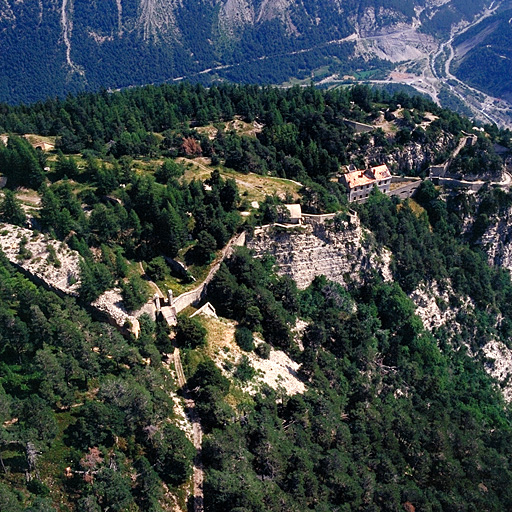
360	183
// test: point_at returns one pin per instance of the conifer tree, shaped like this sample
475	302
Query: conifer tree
10	209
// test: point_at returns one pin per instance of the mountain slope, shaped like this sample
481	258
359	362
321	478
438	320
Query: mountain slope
70	45
370	409
484	56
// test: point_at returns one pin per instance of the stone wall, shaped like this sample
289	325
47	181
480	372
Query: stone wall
467	185
55	266
51	261
407	189
177	267
359	127
194	296
308	218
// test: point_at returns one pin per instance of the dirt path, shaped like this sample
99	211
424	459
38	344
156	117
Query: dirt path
151	283
197	431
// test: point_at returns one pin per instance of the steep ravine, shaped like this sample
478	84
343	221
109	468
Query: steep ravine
433	307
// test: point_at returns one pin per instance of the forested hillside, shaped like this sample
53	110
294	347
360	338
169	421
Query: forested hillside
485	56
52	48
392	412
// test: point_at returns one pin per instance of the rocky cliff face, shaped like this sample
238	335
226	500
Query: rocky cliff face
347	255
344	256
46	259
408	158
497	240
490	228
436	310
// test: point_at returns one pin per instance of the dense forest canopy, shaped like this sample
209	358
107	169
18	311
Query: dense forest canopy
54	48
394	416
486	65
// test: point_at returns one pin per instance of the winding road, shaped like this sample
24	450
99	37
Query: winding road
488	106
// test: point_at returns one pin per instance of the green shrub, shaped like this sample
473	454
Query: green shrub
263	350
244	370
244	339
189	332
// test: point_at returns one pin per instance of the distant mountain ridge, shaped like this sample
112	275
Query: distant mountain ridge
55	47
484	56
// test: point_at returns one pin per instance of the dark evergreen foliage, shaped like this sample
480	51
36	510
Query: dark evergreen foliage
393	416
51	352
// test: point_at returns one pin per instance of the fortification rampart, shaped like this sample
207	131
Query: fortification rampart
308	218
359	127
407	188
455	183
194	296
56	267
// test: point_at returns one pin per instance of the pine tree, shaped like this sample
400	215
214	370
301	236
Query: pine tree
11	211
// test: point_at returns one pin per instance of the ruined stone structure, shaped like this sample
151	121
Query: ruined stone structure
359	127
206	310
436	172
175	306
404	187
168	309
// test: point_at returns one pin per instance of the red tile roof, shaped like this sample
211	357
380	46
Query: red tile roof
358	178
370	176
381	172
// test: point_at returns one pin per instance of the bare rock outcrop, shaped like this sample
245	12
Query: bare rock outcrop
343	256
434	308
50	261
110	303
430	304
411	158
55	265
498	364
497	240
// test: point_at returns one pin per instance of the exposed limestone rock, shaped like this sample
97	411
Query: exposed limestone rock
278	371
58	267
371	20
312	250
497	241
111	304
499	365
280	9
432	305
48	260
156	19
235	14
411	158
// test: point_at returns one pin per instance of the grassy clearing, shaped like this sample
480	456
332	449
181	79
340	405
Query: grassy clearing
36	139
28	197
417	209
252	186
222	348
180	285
